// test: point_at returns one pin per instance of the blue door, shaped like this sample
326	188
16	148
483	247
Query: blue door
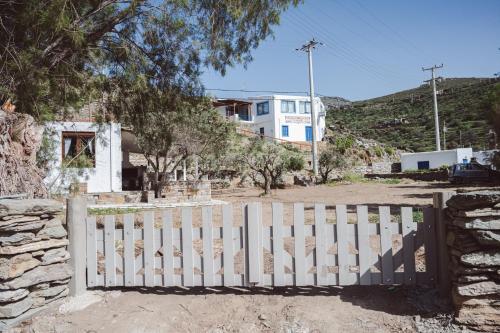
309	133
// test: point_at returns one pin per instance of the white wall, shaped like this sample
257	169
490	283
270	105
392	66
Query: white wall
409	161
106	175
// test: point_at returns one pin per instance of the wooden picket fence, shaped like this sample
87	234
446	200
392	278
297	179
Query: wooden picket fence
327	252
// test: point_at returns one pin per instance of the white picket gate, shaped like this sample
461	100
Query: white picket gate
262	253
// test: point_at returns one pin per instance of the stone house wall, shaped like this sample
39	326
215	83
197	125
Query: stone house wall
34	269
473	239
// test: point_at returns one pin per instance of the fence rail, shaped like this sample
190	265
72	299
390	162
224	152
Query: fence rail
263	250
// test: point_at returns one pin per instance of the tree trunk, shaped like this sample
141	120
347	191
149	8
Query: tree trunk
20	140
267	185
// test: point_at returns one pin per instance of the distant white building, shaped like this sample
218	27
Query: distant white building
280	117
99	145
435	159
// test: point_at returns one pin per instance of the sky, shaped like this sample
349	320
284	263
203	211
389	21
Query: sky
371	47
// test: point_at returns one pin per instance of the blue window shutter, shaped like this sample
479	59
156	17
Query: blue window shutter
284	130
309	133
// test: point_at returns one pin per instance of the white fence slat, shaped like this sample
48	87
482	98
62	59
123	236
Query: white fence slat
342	245
227	242
254	242
300	244
187	246
208	247
330	232
278	248
409	230
365	254
149	249
321	246
430	244
386	245
168	249
91	252
109	251
129	250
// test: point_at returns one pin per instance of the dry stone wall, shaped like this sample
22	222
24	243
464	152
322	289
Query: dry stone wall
34	269
473	238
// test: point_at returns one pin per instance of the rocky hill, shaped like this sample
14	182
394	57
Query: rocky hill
405	119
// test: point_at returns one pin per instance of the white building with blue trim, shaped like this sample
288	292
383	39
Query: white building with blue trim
280	117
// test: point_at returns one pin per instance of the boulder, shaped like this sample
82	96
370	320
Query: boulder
487	237
31	247
55	255
481	259
39	274
29	207
474	200
17	265
11	310
13	295
18	239
478	289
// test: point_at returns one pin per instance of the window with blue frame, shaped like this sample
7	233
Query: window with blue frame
287	106
423	165
262	108
284	131
304	107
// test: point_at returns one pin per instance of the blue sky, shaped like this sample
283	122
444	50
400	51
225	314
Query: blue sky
372	47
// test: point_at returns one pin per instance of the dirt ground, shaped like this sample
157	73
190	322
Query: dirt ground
336	309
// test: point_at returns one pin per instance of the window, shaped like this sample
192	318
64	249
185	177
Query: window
287	106
423	165
78	149
284	131
261	131
309	133
304	107
262	108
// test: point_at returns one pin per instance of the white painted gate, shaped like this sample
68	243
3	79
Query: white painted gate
152	248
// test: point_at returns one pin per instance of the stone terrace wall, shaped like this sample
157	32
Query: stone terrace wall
34	269
473	238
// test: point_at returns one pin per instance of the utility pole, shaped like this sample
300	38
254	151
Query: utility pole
436	116
444	135
309	47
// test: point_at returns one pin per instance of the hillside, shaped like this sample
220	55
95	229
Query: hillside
406	120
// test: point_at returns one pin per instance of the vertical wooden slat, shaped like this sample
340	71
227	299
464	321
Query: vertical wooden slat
253	244
227	241
208	249
129	249
321	246
342	244
409	230
91	252
300	244
430	244
149	253
365	254
442	254
386	245
278	249
109	251
168	249
187	247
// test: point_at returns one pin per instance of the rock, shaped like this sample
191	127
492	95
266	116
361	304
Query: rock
38	253
484	212
49	292
34	246
39	275
29	207
487	237
462	270
472	278
13	295
18	239
15	309
55	255
64	281
19	220
474	200
485	223
10	217
303	180
478	289
48	232
17	265
40	286
482	318
35	225
41	301
481	259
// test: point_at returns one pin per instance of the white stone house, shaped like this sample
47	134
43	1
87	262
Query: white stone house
102	148
280	117
435	159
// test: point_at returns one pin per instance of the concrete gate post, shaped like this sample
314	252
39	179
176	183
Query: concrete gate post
76	214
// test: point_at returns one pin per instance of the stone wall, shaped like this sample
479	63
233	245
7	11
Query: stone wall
186	191
34	269
473	239
439	175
